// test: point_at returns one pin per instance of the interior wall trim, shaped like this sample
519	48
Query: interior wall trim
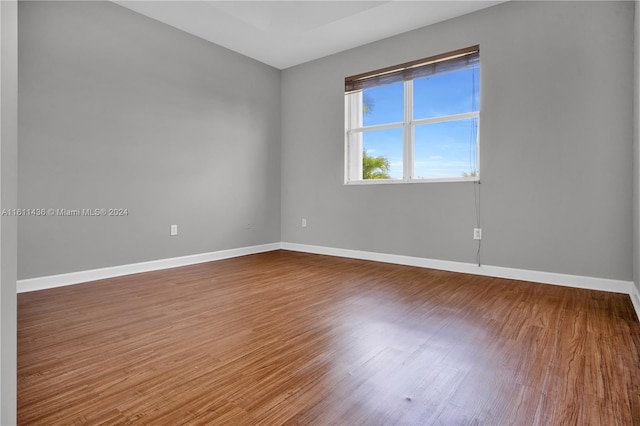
53	281
577	281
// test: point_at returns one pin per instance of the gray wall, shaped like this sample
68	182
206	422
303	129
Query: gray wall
556	157
8	197
146	118
119	110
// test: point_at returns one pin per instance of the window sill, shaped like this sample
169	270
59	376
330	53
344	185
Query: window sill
410	181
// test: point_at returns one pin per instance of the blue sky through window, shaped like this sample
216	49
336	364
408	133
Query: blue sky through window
445	149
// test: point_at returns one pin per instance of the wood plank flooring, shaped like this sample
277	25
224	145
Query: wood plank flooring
293	338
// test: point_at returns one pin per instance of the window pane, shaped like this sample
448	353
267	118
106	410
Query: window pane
382	158
384	104
446	94
447	149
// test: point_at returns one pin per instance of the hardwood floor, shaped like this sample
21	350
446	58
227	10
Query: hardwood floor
293	338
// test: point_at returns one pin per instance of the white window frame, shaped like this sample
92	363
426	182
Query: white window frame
353	140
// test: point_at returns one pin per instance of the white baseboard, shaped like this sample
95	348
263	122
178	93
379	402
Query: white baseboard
635	299
591	283
42	283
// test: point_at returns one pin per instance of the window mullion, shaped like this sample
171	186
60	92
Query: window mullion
407	150
378	127
444	118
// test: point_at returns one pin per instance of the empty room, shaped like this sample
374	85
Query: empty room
320	212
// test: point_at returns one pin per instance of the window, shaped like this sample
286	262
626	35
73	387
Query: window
415	122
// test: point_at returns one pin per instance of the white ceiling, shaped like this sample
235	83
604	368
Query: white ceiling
287	33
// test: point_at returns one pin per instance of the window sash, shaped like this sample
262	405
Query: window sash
457	60
355	130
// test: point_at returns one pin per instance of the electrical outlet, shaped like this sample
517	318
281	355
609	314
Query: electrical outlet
477	233
304	222
174	229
